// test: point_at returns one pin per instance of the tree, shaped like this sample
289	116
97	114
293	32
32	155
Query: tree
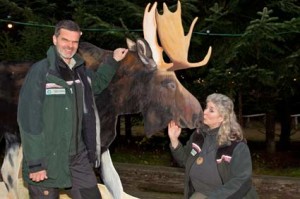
264	52
258	68
255	60
21	42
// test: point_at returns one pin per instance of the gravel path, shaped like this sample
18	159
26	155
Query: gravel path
158	182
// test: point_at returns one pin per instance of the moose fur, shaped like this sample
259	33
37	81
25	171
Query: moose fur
12	75
140	87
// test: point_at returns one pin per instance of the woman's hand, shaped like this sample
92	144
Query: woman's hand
174	132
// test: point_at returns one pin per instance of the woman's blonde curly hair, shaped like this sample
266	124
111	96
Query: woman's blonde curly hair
230	129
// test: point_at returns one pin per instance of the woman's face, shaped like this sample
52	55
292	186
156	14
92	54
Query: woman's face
212	117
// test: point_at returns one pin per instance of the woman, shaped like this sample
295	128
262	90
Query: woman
216	158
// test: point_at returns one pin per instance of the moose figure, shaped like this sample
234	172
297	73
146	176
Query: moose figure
144	83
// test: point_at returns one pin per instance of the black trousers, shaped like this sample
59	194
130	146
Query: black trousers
84	182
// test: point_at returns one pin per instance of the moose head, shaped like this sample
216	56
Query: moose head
145	83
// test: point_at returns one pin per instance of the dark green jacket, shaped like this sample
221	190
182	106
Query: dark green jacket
235	174
46	112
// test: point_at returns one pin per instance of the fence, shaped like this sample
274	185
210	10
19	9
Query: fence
294	117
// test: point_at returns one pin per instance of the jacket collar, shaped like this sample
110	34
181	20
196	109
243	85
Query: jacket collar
53	57
212	132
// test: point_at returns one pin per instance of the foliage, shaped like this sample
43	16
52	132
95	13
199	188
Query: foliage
113	23
255	57
278	165
7	43
21	43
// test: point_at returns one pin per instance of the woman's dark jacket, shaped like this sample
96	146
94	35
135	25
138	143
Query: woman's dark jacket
56	107
233	162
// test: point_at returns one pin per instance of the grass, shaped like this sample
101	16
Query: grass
147	158
155	151
261	165
288	172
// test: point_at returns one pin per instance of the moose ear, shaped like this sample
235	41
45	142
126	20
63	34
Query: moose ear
143	48
131	45
145	53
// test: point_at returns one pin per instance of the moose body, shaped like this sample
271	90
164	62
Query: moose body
143	83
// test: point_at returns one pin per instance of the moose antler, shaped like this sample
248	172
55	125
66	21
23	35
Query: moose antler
170	31
150	31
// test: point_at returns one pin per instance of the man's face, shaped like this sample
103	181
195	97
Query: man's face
66	43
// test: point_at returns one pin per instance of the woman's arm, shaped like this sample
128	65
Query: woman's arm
239	177
179	152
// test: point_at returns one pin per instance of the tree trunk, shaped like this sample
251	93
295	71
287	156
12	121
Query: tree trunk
270	132
118	127
128	125
240	108
285	122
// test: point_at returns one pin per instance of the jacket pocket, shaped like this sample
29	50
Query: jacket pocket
52	165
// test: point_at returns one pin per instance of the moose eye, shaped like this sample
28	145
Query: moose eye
168	83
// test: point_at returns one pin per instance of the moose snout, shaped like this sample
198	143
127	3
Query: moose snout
198	121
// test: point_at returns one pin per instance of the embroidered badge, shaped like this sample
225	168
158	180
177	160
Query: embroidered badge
199	160
56	91
224	158
196	147
193	152
53	85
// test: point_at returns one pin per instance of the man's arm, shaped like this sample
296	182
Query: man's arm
30	119
104	74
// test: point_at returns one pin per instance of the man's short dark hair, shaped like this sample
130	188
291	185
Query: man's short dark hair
66	24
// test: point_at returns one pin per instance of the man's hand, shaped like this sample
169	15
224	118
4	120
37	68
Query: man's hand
120	53
38	176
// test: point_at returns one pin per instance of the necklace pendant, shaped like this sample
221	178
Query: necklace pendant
199	160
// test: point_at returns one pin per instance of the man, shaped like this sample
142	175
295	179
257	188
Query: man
57	121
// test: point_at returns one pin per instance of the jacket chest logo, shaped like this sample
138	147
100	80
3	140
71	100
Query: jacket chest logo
55	91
